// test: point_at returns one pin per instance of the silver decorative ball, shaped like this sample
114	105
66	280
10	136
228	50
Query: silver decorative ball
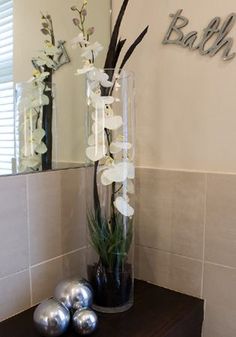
51	318
85	321
74	294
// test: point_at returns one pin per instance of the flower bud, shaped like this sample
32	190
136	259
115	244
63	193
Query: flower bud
45	25
73	8
45	31
84	12
76	21
90	31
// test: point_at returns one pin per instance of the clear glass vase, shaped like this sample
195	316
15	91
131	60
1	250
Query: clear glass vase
34	125
110	188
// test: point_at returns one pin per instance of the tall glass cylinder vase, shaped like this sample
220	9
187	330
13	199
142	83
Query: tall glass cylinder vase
34	120
110	182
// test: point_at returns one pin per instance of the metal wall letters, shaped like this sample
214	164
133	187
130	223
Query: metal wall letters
214	32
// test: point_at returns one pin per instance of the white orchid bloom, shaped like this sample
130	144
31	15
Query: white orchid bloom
123	207
97	147
91	52
104	117
99	102
96	153
118	146
118	173
86	68
98	77
79	41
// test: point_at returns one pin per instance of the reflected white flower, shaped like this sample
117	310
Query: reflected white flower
91	52
39	76
32	102
44	60
37	136
79	41
123	207
50	50
30	162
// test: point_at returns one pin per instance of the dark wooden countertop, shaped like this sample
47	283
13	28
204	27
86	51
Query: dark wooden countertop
157	312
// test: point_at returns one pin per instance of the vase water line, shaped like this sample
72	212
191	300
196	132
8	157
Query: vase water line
110	184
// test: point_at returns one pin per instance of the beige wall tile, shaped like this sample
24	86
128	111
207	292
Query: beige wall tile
169	270
14	294
170	211
221	219
220	295
73	209
45	216
47	275
13	225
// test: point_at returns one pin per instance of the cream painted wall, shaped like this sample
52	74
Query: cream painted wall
186	103
69	88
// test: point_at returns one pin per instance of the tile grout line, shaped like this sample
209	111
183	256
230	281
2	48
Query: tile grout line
220	265
14	274
204	235
29	243
167	252
57	257
141	167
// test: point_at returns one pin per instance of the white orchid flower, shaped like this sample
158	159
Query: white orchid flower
123	207
98	77
118	146
99	102
78	41
86	68
96	153
104	117
97	147
91	52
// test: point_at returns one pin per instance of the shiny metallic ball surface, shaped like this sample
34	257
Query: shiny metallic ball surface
74	293
51	318
85	322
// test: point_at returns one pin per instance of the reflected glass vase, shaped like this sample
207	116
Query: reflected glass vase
110	188
34	116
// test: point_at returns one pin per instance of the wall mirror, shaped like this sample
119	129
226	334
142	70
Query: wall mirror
20	40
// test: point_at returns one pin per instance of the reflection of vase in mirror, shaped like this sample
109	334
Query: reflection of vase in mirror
31	100
69	88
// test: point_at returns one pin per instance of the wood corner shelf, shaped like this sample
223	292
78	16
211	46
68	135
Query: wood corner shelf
157	312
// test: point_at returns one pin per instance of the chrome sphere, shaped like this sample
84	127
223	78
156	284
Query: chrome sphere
85	321
74	294
51	318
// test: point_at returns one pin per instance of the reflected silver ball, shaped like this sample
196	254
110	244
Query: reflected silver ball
51	318
85	321
74	294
